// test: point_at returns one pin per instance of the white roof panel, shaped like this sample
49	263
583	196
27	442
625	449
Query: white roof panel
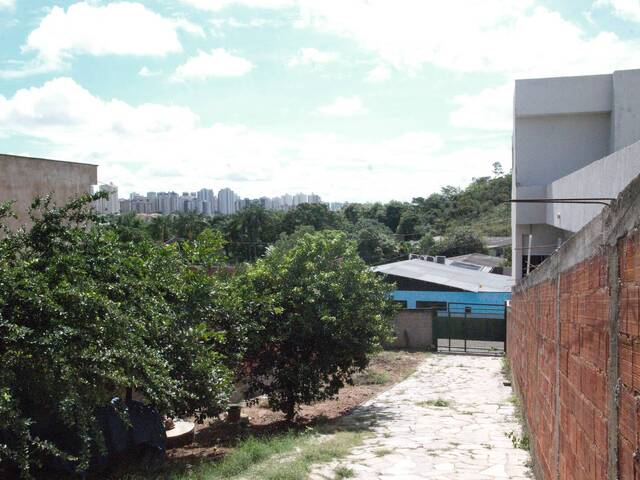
469	280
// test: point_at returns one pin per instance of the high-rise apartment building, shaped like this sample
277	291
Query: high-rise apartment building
109	205
227	201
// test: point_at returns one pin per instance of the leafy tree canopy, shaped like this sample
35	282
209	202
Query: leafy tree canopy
85	316
323	313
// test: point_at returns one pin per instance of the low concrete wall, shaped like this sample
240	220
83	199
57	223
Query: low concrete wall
574	344
414	329
603	178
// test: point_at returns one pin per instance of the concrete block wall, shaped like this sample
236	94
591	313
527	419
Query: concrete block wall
414	329
574	345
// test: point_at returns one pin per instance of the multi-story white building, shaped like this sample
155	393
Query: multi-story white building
227	201
574	137
313	198
109	205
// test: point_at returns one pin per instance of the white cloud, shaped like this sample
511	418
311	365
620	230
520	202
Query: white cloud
344	107
217	5
121	28
379	74
146	72
503	38
218	63
493	36
491	109
312	56
153	147
627	9
7	4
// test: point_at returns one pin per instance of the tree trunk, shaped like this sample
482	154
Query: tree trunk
290	411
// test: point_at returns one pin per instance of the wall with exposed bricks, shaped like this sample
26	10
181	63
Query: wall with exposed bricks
574	345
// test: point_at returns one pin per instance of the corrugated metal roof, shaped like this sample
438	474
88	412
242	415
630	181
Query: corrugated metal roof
478	259
493	242
469	280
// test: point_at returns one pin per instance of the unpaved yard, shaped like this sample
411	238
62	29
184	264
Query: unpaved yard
215	438
452	419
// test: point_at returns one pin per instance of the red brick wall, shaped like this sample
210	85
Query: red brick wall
629	356
574	446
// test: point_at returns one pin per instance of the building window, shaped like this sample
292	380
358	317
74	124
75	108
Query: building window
401	303
535	261
431	305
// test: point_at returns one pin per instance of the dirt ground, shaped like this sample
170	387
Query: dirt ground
215	437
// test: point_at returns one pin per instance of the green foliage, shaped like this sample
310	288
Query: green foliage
425	245
160	228
383	231
481	206
315	215
129	226
321	313
375	242
409	222
84	316
250	231
460	241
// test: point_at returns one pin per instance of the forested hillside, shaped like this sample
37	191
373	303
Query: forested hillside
451	222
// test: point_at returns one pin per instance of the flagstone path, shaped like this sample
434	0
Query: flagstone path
449	420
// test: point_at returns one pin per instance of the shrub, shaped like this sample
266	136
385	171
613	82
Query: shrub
85	316
320	313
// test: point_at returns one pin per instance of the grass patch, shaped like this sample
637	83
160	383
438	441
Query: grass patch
505	367
344	472
440	403
371	377
287	456
381	452
519	441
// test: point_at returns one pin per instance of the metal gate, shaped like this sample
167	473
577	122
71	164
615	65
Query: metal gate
471	328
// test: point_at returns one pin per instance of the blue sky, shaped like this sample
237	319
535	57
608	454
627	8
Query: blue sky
356	100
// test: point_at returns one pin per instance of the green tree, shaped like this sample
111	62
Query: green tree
316	215
408	224
188	226
129	226
160	228
352	212
375	242
250	231
324	312
460	241
426	245
85	316
393	212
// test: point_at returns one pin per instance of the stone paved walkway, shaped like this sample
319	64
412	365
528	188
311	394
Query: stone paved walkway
449	420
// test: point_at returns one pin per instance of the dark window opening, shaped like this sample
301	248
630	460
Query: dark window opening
431	305
401	303
535	261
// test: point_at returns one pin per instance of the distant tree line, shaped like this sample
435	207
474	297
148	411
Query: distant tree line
451	222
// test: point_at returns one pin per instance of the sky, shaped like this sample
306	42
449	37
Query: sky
355	100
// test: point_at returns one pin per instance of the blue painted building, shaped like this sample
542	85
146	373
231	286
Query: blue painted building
429	284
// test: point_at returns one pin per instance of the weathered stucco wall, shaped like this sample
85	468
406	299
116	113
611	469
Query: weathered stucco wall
23	178
574	345
413	329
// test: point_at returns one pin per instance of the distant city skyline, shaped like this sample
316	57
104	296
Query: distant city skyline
204	201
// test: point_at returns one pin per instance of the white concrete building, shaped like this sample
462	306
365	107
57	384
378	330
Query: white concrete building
574	137
109	205
227	201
